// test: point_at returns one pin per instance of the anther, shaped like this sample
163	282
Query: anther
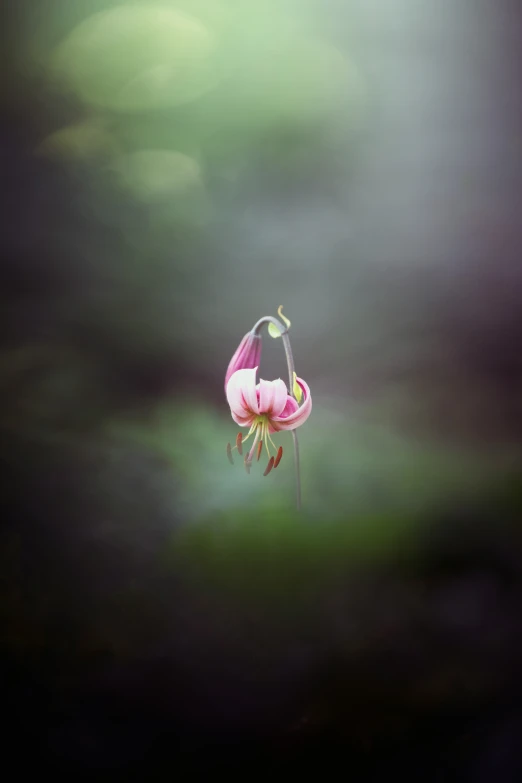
239	443
278	457
247	464
229	453
259	449
269	466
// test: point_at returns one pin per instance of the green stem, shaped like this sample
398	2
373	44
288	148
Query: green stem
290	364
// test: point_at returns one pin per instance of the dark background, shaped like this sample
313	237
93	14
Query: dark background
171	173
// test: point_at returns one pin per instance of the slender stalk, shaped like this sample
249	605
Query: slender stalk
290	364
297	471
268	319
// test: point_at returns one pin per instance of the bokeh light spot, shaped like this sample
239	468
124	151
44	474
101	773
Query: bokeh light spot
156	175
81	141
136	58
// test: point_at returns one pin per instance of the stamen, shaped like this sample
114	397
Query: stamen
240	440
265	438
269	466
271	441
259	449
278	457
244	439
229	453
247	464
254	444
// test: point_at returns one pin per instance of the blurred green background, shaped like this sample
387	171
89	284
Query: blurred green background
176	170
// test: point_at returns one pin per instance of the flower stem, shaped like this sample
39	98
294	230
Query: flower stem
290	364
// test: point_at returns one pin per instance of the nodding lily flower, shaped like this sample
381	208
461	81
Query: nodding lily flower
247	356
265	408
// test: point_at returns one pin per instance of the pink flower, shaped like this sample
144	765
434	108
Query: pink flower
265	408
247	356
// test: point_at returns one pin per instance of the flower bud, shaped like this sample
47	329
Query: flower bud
247	356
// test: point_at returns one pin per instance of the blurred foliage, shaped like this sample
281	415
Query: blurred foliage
200	157
373	505
237	73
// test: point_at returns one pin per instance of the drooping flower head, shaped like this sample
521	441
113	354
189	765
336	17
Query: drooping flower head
266	408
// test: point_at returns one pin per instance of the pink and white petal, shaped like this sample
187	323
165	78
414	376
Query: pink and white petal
243	421
241	392
298	416
249	389
272	396
234	394
291	406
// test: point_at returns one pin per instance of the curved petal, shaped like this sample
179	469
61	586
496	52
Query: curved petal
243	421
291	406
241	393
235	396
297	417
272	396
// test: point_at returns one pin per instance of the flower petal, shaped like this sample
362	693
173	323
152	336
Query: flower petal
243	421
294	419
241	393
272	396
235	397
291	406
